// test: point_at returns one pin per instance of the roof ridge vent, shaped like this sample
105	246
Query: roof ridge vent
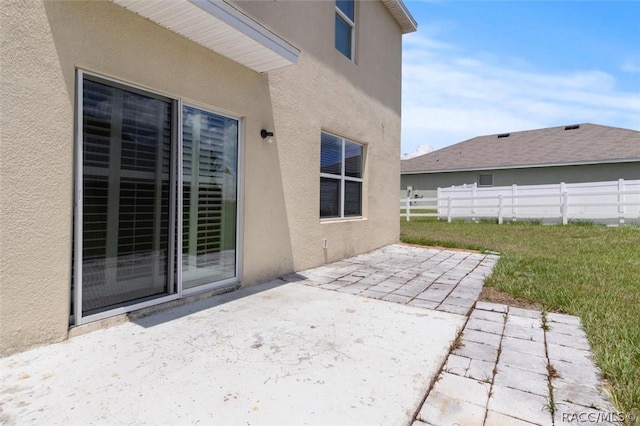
572	127
504	135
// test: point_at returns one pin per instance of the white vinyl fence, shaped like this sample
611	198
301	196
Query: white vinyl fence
608	202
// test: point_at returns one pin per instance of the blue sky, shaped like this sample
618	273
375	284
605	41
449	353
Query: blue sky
483	67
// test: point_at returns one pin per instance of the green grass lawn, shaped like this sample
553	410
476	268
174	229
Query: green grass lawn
585	270
419	211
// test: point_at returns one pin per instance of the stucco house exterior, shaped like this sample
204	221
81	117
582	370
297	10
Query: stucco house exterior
155	151
571	154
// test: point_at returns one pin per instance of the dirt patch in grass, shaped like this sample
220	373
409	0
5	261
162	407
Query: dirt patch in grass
437	247
490	294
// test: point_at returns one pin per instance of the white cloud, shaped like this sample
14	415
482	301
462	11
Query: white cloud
420	150
449	97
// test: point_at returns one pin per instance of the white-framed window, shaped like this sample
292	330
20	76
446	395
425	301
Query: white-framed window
341	172
156	212
485	180
345	27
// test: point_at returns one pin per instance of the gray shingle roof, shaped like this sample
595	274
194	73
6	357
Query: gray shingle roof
589	143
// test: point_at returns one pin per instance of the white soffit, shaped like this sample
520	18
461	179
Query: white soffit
221	28
402	15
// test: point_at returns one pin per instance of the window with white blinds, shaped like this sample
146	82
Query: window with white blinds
138	177
341	173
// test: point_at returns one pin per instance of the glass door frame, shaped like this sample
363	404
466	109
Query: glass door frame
174	285
239	205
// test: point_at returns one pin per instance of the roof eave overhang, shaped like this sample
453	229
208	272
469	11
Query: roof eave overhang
402	15
527	166
220	28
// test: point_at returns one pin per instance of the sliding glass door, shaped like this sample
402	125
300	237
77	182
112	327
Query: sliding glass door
209	198
125	198
145	164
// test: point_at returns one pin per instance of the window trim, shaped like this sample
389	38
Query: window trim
352	24
343	178
174	285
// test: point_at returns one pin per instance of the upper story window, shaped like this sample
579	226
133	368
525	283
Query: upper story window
345	26
341	172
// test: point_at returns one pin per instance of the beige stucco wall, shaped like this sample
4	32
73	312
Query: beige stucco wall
359	101
44	43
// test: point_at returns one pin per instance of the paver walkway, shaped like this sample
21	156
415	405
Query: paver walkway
510	366
444	280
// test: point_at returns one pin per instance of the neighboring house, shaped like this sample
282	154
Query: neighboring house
570	154
135	170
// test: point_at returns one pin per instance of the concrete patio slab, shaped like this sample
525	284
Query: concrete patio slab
359	341
442	410
270	354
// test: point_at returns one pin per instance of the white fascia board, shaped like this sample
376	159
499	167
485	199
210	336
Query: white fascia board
527	166
241	22
401	14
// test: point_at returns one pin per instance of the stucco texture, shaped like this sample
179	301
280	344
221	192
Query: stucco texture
43	44
357	100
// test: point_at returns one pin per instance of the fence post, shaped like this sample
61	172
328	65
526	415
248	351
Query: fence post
514	202
621	200
407	208
500	209
449	209
565	207
562	191
473	201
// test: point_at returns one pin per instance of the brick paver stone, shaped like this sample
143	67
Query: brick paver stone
566	353
457	365
536	364
575	393
487	315
529	347
526	333
480	370
521	405
479	351
577	372
481	337
577	340
486	326
527	313
523	380
453	309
